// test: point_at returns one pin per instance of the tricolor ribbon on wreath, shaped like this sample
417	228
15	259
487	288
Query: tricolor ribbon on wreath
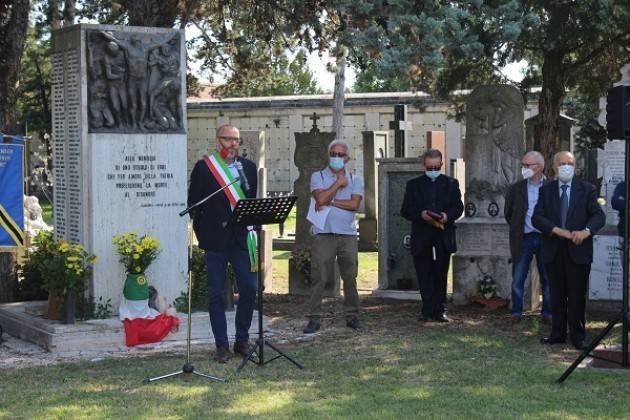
234	193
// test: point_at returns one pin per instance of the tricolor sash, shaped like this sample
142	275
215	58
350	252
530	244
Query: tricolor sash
233	192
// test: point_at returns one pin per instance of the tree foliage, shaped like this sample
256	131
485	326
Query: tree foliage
288	77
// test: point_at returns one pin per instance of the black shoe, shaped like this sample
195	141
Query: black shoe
311	327
222	354
355	324
241	348
551	340
442	318
424	318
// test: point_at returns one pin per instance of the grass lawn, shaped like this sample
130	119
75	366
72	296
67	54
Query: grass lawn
367	279
475	367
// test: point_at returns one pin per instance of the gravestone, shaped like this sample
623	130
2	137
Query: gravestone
375	144
493	150
605	283
396	273
311	154
437	140
119	147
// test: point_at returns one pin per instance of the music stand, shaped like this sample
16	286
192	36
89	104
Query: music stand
257	212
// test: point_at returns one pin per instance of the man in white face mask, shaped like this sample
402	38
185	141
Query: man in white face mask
525	239
568	216
338	192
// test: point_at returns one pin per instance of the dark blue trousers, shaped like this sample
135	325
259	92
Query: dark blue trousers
216	263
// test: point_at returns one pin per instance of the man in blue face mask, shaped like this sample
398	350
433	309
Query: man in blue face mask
432	203
337	192
568	215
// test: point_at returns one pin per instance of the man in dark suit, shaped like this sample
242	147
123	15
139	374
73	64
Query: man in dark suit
432	203
525	239
225	244
568	215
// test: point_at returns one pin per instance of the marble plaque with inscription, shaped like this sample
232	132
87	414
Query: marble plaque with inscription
483	239
606	271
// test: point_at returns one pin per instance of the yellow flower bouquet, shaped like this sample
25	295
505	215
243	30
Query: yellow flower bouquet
136	253
66	266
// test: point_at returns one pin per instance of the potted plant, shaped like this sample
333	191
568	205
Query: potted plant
66	267
488	297
136	254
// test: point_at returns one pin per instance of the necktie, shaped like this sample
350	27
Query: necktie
564	206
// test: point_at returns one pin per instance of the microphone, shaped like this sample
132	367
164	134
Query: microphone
241	175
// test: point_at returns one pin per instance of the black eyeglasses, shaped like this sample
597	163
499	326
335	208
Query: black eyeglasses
230	139
334	154
434	168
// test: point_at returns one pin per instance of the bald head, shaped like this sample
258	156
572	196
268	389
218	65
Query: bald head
563	158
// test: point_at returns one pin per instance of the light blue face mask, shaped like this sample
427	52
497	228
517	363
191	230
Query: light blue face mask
432	174
336	163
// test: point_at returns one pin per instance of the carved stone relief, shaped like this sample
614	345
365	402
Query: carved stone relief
134	82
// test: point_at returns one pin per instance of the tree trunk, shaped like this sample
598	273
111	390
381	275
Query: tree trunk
160	13
69	12
547	134
13	24
339	97
8	279
55	14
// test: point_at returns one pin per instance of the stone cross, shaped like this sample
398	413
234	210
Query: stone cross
400	125
314	118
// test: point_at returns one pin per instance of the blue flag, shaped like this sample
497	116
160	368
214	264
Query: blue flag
11	193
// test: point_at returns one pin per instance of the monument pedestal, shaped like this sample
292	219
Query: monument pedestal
482	249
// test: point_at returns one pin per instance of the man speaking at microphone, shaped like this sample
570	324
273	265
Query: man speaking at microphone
236	245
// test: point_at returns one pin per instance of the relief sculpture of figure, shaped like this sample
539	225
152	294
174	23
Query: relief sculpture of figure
135	81
494	143
115	68
164	87
99	111
136	54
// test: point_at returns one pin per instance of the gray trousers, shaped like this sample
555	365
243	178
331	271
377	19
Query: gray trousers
325	249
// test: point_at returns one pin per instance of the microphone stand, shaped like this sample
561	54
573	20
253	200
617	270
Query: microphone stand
188	367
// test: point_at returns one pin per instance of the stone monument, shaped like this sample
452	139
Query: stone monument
311	154
375	144
493	150
119	147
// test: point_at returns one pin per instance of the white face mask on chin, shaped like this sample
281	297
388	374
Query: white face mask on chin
566	173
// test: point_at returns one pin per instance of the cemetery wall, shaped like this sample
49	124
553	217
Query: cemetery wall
282	117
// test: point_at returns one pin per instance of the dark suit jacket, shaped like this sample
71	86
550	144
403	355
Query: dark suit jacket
208	221
584	212
515	210
448	200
